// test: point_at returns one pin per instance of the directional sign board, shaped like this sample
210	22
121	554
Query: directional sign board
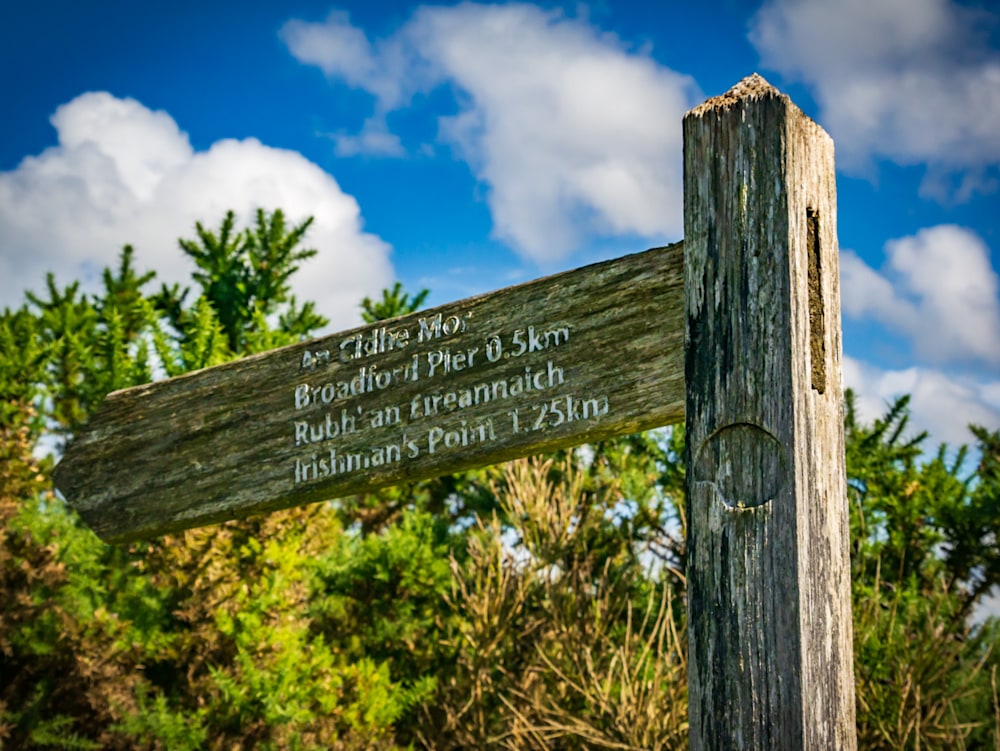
571	358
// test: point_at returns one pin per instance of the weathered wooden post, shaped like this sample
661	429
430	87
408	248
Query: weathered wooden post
769	612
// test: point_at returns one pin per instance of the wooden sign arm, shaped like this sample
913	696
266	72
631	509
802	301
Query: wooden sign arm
574	357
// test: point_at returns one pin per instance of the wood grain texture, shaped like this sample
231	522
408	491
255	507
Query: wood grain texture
575	357
769	616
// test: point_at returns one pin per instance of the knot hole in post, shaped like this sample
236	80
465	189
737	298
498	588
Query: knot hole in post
746	464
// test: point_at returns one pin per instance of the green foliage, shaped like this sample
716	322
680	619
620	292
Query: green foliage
388	587
971	528
58	732
387	591
160	644
922	678
156	718
916	519
244	276
66	671
924	553
91	346
394	303
535	605
204	343
21	370
246	652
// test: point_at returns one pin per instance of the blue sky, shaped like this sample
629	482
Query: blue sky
465	147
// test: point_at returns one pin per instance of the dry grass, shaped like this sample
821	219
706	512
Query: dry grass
555	653
913	673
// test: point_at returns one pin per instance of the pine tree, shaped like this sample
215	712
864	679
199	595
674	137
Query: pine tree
244	276
394	303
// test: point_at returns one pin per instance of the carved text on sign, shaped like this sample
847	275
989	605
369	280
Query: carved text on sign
329	425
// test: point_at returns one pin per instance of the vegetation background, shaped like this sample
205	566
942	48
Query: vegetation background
538	604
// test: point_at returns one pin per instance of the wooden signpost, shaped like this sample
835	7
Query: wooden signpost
560	361
738	327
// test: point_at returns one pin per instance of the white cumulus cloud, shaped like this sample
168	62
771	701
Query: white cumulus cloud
942	404
937	287
914	81
122	173
574	134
